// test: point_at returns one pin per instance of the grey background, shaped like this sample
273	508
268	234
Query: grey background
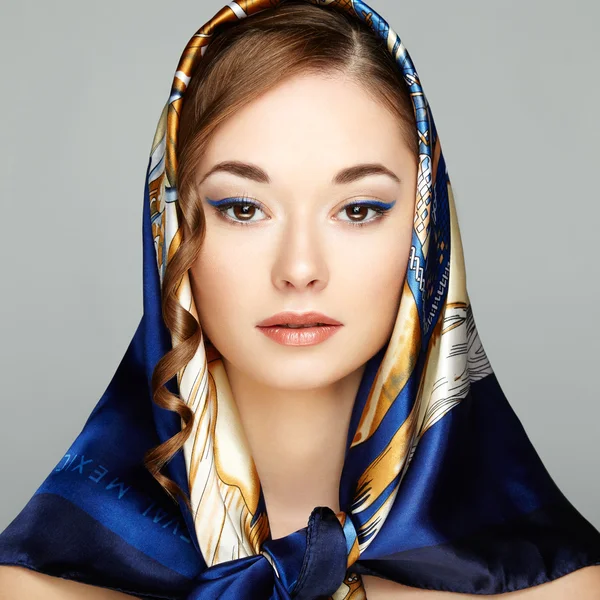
514	91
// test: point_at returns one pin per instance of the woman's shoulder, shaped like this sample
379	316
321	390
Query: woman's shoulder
583	584
17	583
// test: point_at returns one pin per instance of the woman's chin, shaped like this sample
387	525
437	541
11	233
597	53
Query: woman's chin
303	372
294	380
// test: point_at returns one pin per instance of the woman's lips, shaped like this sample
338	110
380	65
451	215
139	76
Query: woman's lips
299	336
289	317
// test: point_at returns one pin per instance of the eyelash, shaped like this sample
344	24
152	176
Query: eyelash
223	205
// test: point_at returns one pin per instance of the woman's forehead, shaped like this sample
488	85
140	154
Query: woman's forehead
309	105
289	130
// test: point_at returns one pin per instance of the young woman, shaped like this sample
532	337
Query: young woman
307	381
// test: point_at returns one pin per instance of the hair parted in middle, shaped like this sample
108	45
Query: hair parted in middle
244	60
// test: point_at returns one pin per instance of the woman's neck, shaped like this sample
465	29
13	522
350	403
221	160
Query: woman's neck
298	442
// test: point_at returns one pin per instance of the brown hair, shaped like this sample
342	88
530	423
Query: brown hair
244	60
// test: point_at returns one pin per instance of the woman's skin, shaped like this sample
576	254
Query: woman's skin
302	254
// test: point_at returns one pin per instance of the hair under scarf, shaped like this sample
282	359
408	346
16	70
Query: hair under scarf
441	488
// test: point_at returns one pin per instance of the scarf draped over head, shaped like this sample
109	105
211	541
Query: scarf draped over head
441	487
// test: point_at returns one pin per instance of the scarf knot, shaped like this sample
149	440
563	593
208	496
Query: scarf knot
309	563
313	561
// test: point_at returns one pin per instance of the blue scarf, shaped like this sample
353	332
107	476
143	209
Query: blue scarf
441	488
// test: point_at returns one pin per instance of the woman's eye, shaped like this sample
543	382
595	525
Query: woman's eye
357	213
237	211
242	212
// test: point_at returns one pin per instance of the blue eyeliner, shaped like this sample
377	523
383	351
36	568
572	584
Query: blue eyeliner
378	204
218	203
381	205
222	206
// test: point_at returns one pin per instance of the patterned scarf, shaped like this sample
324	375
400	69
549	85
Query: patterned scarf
441	488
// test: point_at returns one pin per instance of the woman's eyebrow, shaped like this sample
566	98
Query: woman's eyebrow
345	176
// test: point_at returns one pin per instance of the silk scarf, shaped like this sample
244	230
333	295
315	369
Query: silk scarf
441	488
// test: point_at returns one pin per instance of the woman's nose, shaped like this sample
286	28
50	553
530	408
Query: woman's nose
300	262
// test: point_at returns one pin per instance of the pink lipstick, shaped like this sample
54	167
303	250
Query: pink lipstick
299	329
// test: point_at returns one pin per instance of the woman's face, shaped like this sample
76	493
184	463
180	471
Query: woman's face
299	249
